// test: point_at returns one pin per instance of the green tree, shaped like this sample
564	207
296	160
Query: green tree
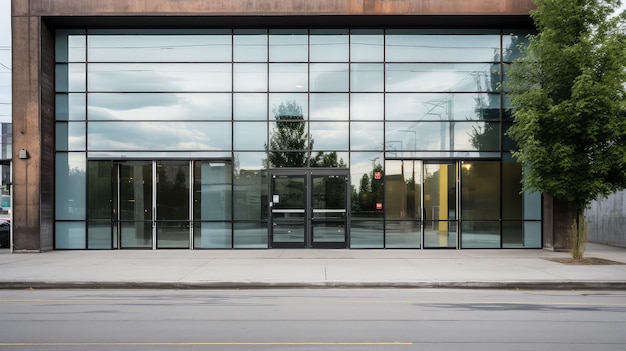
567	95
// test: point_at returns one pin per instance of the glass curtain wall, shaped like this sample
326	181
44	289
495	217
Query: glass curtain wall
233	103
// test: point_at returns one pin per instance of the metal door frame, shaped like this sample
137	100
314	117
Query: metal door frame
308	174
117	169
457	198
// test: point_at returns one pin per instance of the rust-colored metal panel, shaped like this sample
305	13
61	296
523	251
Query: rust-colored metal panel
26	134
278	7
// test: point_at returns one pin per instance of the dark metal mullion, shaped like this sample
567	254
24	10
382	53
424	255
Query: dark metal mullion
232	143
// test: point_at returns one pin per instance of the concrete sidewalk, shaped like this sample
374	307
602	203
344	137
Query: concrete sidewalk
278	268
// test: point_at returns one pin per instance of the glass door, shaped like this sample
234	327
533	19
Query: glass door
172	204
309	208
440	205
288	210
154	204
329	212
135	204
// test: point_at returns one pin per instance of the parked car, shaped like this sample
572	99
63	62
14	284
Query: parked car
5	233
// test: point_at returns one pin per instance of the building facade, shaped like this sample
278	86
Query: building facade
268	124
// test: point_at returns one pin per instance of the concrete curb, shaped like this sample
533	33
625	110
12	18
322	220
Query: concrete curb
520	285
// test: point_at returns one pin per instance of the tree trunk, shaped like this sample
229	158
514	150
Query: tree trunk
579	234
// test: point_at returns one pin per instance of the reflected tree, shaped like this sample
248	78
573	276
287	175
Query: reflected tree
290	144
370	191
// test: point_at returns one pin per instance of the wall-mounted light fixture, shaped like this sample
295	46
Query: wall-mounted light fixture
23	154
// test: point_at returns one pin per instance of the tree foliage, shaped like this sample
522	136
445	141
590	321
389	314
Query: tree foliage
567	95
290	144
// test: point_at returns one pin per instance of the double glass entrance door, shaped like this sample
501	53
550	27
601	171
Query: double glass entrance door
309	208
154	204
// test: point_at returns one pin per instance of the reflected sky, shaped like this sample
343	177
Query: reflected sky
177	91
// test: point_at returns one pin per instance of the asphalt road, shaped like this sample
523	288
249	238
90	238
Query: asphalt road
324	319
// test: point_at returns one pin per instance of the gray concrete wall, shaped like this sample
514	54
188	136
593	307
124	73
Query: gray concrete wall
606	220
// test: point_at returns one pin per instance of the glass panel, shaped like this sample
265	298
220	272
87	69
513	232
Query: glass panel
367	191
289	135
70	184
136	235
212	190
480	190
442	77
250	106
61	84
102	187
289	45
440	212
136	191
440	234
329	232
70	107
70	45
69	235
288	77
288	228
403	184
159	106
250	235
157	136
532	205
403	234
329	45
70	136
70	77
77	77
532	234
418	136
367	45
251	136
288	211
136	155
100	234
329	77
329	106
250	77
480	136
159	77
250	45
440	107
330	135
284	105
250	186
329	209
367	77
434	46
367	107
480	234
366	135
512	234
172	191
508	144
136	204
329	193
512	204
212	235
166	47
172	234
512	42
366	234
326	159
